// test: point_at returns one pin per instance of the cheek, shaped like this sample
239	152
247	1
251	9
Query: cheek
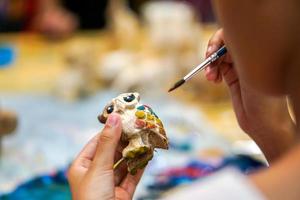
263	79
247	28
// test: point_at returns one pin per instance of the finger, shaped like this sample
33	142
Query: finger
83	161
131	181
215	42
119	150
217	39
88	152
211	73
212	49
108	143
229	74
219	77
231	79
120	173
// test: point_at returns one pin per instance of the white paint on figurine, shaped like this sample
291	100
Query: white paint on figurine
142	129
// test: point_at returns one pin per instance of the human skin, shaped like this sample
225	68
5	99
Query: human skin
53	20
261	68
91	175
263	117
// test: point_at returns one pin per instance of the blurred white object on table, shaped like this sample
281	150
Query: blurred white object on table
226	184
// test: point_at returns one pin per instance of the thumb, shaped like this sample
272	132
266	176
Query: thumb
108	142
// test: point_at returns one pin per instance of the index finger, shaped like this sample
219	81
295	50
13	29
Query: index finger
83	161
215	42
88	152
212	72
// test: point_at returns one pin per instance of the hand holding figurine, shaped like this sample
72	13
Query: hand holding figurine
91	175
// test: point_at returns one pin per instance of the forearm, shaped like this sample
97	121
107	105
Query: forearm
282	180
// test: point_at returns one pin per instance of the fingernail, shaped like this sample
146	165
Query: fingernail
112	120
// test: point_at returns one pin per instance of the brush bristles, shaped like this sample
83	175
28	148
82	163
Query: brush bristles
177	84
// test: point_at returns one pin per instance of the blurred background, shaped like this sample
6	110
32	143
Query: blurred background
61	61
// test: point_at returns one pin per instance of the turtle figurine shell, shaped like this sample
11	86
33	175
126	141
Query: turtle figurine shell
142	129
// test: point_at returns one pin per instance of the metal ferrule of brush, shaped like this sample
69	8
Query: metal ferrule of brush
213	57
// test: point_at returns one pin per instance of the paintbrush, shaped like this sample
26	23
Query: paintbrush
200	67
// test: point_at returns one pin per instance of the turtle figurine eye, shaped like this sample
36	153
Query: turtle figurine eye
129	98
110	109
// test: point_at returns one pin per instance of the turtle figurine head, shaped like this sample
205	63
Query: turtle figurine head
142	130
119	105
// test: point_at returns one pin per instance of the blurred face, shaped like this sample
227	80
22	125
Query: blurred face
260	35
